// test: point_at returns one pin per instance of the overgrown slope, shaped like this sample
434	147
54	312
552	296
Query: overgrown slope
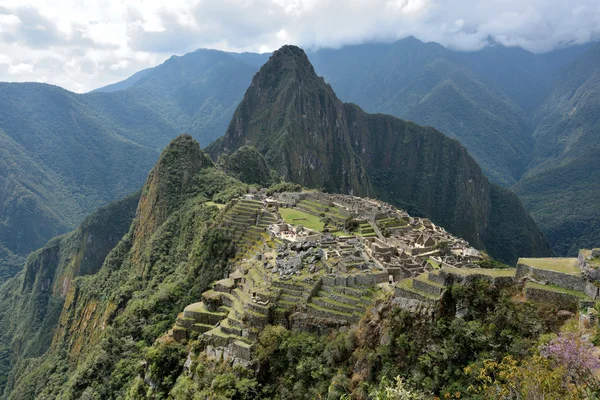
89	333
63	154
30	303
430	85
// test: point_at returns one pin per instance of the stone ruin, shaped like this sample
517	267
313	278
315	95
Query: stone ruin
318	280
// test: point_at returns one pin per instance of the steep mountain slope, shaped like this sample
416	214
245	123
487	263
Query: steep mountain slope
564	181
195	93
59	162
293	118
523	76
310	137
428	84
31	302
85	336
64	154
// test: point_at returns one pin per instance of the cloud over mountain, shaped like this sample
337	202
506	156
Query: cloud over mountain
82	46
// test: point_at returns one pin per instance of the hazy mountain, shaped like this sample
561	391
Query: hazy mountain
310	137
65	154
426	83
563	184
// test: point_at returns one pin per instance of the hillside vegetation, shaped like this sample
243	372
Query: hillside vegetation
562	187
104	308
63	154
99	329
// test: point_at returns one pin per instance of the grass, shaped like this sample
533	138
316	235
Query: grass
212	203
499	272
424	277
297	217
329	310
407	284
558	289
565	265
201	308
594	262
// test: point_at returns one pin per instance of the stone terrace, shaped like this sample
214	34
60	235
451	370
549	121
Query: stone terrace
316	280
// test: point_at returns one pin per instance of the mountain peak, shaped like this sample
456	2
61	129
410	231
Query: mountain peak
170	182
293	117
289	59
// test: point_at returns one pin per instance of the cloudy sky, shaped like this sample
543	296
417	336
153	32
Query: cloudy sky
84	44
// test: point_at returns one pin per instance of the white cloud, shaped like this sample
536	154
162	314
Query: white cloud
82	45
20	69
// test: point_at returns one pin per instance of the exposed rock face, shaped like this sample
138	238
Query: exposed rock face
36	295
310	137
295	119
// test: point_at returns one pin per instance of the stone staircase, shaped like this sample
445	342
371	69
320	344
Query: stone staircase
247	223
341	303
231	314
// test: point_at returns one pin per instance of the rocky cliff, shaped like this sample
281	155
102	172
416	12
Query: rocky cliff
310	137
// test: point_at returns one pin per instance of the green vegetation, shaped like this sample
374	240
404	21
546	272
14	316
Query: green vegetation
249	166
63	155
562	188
167	259
31	302
432	86
284	187
430	358
566	265
558	289
84	316
297	217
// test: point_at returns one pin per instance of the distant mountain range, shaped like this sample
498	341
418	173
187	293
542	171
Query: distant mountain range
66	154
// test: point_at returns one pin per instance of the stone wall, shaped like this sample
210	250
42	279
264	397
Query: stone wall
500	281
592	289
553	277
407	294
368	279
561	300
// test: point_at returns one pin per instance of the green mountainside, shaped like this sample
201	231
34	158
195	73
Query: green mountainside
249	166
82	321
31	302
310	137
58	163
563	183
64	154
79	311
